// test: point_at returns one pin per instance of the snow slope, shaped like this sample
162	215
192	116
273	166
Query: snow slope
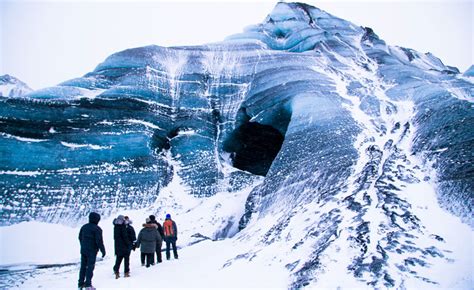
12	87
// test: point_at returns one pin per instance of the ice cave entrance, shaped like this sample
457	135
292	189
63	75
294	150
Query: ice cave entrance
254	147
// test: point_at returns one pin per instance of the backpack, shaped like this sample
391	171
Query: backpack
168	228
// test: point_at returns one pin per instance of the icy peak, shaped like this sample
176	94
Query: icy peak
292	12
12	87
470	71
298	27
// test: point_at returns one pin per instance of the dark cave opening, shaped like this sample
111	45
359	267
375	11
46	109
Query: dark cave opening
254	146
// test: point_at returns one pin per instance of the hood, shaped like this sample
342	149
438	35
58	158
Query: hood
94	218
120	220
150	226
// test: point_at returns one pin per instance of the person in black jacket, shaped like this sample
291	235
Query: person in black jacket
131	232
122	246
160	241
90	237
131	237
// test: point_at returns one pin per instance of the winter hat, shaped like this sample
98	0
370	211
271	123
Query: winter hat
168	216
120	220
152	217
128	221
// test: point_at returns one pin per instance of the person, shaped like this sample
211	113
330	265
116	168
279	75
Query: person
122	246
171	236
131	232
147	239
90	238
160	242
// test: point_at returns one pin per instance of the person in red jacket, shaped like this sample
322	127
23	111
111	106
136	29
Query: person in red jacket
171	235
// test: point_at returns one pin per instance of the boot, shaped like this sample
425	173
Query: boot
117	275
127	274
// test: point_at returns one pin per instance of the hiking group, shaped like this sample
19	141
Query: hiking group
149	241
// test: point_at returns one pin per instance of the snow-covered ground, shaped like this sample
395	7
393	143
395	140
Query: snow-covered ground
203	259
34	243
203	263
199	266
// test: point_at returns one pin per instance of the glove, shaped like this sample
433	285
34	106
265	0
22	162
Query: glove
103	254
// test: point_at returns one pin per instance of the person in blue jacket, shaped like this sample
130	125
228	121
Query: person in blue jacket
90	237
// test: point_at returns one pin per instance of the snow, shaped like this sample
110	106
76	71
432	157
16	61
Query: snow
146	124
90	94
23	139
199	266
201	263
11	87
458	239
6	89
91	146
22	244
22	173
457	246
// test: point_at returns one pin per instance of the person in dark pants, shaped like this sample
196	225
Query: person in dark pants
147	239
122	246
160	241
171	236
90	237
131	236
131	232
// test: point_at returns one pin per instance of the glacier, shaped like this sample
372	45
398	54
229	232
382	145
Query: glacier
12	87
346	147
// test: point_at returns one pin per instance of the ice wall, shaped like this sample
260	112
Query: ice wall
351	134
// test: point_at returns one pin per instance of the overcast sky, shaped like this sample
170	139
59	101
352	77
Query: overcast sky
46	42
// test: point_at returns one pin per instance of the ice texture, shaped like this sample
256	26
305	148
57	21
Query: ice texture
368	133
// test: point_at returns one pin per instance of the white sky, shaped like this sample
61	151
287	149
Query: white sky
47	42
